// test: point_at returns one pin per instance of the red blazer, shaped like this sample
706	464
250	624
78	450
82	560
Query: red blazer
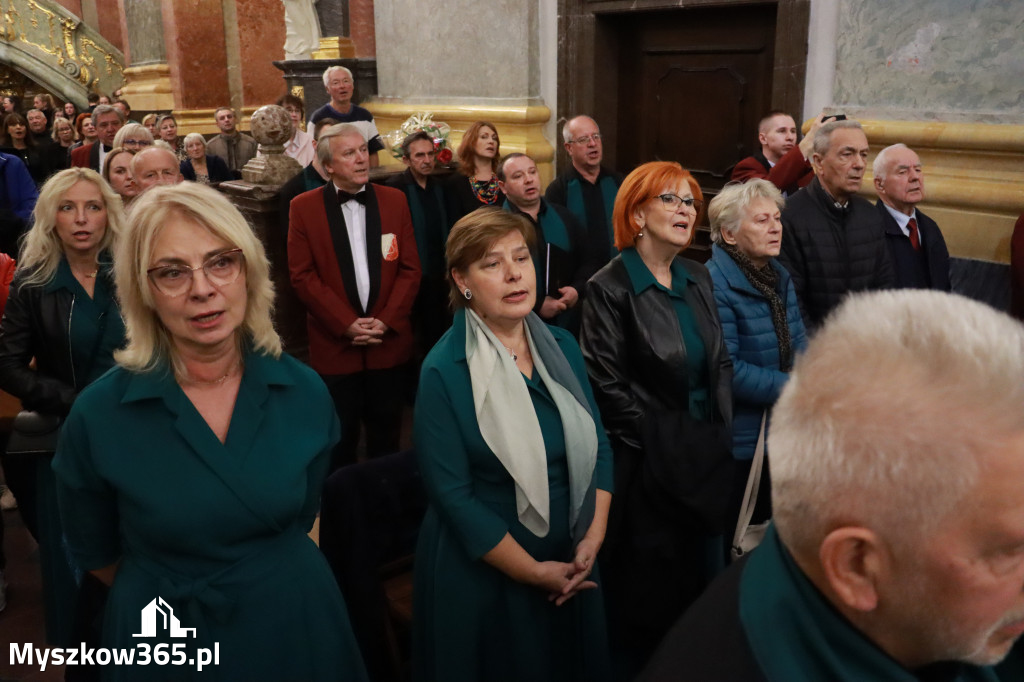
83	157
791	173
321	270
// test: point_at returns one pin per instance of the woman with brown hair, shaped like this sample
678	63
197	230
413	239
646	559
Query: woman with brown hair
518	472
117	170
475	184
661	372
15	139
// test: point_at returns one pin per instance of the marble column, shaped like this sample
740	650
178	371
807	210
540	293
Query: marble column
455	79
148	76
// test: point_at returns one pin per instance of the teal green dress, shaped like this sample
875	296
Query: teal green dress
472	622
217	532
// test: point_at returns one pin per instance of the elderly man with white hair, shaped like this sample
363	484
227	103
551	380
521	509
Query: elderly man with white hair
919	253
340	86
897	453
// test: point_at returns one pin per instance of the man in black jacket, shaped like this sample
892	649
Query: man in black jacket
564	257
833	241
919	254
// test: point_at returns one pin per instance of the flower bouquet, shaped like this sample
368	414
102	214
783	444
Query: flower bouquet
421	121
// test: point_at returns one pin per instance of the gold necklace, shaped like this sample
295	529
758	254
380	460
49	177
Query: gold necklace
212	382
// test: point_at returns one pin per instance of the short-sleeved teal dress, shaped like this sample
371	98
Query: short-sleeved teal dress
472	622
216	531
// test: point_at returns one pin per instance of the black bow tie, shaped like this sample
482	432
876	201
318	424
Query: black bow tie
345	197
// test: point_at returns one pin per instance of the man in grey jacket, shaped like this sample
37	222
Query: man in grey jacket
232	145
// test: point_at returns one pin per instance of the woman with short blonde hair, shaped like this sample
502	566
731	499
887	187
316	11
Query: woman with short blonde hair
134	137
205	402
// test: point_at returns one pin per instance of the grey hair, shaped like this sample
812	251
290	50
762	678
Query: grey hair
878	168
323	145
332	69
135	129
102	109
726	210
194	136
823	138
566	134
888	415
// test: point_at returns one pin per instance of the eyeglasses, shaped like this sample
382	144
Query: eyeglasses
221	270
585	139
138	143
671	202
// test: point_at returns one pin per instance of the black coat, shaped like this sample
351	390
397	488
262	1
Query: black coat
636	359
925	269
215	168
460	198
35	324
832	251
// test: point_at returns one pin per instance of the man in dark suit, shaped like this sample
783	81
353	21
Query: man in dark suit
781	161
431	314
564	256
107	120
919	253
353	263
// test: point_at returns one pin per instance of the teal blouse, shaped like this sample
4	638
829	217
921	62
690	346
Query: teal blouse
95	329
696	353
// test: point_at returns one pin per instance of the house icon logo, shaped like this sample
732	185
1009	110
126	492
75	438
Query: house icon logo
158	615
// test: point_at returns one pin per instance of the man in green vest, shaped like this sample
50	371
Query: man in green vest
587	188
564	256
897	547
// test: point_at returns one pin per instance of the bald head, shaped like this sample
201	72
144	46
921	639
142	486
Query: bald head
155	166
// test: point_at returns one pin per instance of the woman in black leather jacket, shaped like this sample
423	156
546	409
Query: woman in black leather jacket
62	312
661	373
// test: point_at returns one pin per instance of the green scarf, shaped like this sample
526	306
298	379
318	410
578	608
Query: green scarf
429	260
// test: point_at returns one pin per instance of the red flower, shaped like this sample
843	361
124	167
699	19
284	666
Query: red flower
444	156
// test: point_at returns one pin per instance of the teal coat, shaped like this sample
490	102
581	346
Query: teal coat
471	621
217	531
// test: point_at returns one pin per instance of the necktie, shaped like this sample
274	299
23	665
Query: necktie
344	197
915	237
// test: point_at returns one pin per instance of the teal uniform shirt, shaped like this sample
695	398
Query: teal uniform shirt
472	622
216	530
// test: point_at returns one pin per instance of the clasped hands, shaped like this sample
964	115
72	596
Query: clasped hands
366	331
564	580
568	297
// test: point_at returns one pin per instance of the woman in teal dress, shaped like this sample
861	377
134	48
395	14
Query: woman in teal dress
518	473
189	476
61	312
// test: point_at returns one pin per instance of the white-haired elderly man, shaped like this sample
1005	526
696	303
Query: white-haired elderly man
340	87
918	249
832	243
897	552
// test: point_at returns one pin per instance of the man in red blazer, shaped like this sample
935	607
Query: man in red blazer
353	263
781	161
107	120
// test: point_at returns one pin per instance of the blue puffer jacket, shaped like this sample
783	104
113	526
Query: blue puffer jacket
753	346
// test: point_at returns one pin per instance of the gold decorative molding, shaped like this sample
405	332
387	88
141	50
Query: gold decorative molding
50	34
973	178
148	88
201	120
520	128
335	47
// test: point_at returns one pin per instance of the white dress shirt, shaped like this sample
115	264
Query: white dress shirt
355	225
903	220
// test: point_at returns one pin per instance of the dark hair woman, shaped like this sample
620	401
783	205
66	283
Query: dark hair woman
661	372
17	140
476	182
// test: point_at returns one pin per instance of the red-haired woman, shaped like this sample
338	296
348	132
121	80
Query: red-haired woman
662	377
475	184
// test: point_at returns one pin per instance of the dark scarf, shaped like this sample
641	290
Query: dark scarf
766	281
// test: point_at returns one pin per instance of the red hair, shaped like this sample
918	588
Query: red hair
642	185
467	148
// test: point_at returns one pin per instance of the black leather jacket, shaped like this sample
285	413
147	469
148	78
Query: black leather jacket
37	323
635	354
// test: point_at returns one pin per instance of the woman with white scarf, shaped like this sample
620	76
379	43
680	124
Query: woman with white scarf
518	471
